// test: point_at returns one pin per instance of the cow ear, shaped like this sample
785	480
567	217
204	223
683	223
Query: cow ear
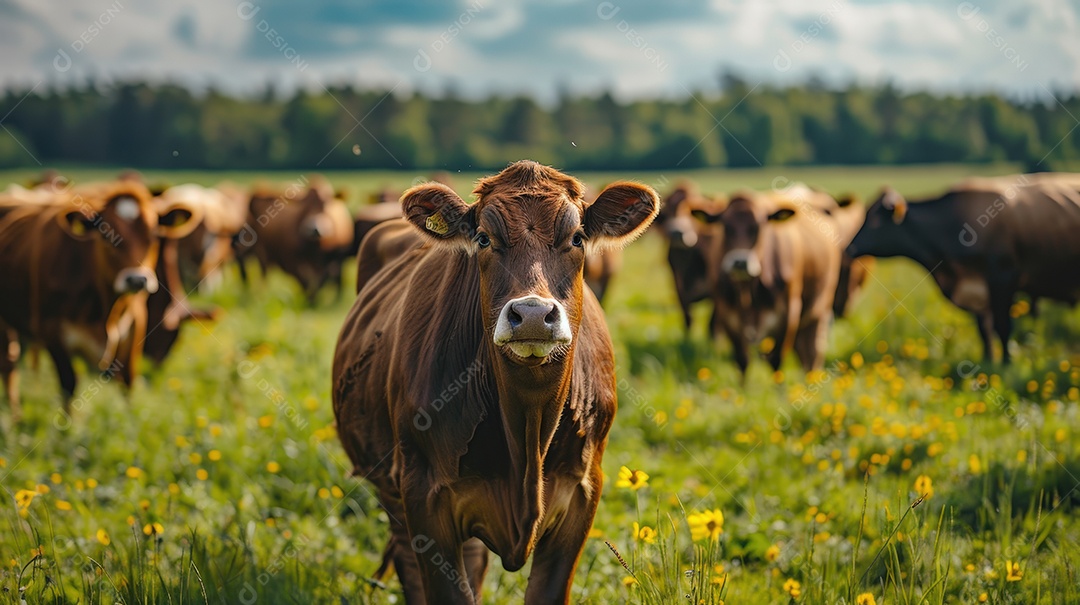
621	213
440	214
781	215
177	221
77	224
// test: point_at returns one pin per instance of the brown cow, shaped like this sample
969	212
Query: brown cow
688	240
474	385
77	272
848	213
305	233
774	276
599	268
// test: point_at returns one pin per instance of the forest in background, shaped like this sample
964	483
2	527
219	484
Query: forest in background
161	125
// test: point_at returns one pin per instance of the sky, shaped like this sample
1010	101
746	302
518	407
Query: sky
478	47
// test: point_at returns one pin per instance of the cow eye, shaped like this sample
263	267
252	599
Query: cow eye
482	240
578	240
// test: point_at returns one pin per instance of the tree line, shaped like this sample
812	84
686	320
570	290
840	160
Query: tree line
146	125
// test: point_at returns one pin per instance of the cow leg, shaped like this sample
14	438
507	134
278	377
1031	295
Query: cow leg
785	344
1000	307
436	546
687	318
810	343
984	322
476	563
739	345
9	358
558	551
65	372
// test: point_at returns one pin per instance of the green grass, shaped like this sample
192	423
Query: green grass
230	447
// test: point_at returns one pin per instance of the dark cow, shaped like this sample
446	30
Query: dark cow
306	233
76	273
774	273
474	385
983	241
688	240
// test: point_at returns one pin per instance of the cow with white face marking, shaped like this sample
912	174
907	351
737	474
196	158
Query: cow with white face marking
983	241
474	380
76	272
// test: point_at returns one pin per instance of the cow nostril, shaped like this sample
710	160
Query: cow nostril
552	317
514	318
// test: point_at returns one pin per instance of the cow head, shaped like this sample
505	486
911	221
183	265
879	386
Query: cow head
675	219
530	232
743	221
120	222
883	232
324	218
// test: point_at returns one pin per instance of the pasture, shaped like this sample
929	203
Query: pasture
221	480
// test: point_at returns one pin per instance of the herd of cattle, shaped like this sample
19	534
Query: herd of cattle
490	314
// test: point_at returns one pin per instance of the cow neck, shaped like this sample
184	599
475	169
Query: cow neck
928	232
531	402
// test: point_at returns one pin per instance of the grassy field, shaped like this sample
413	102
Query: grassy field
220	479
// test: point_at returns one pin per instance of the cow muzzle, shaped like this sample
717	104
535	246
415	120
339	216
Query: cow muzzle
741	264
681	233
532	327
316	228
136	279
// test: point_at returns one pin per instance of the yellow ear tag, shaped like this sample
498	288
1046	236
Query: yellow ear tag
78	228
437	224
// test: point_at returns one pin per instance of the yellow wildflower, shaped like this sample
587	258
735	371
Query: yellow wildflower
1012	571
644	533
633	479
709	524
23	498
924	486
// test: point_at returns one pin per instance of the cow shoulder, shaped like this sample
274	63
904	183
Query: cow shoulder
444	386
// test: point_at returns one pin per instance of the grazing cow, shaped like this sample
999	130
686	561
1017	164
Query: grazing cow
688	240
774	273
474	385
76	273
304	234
983	241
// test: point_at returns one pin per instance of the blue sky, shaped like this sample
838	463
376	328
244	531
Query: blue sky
636	48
